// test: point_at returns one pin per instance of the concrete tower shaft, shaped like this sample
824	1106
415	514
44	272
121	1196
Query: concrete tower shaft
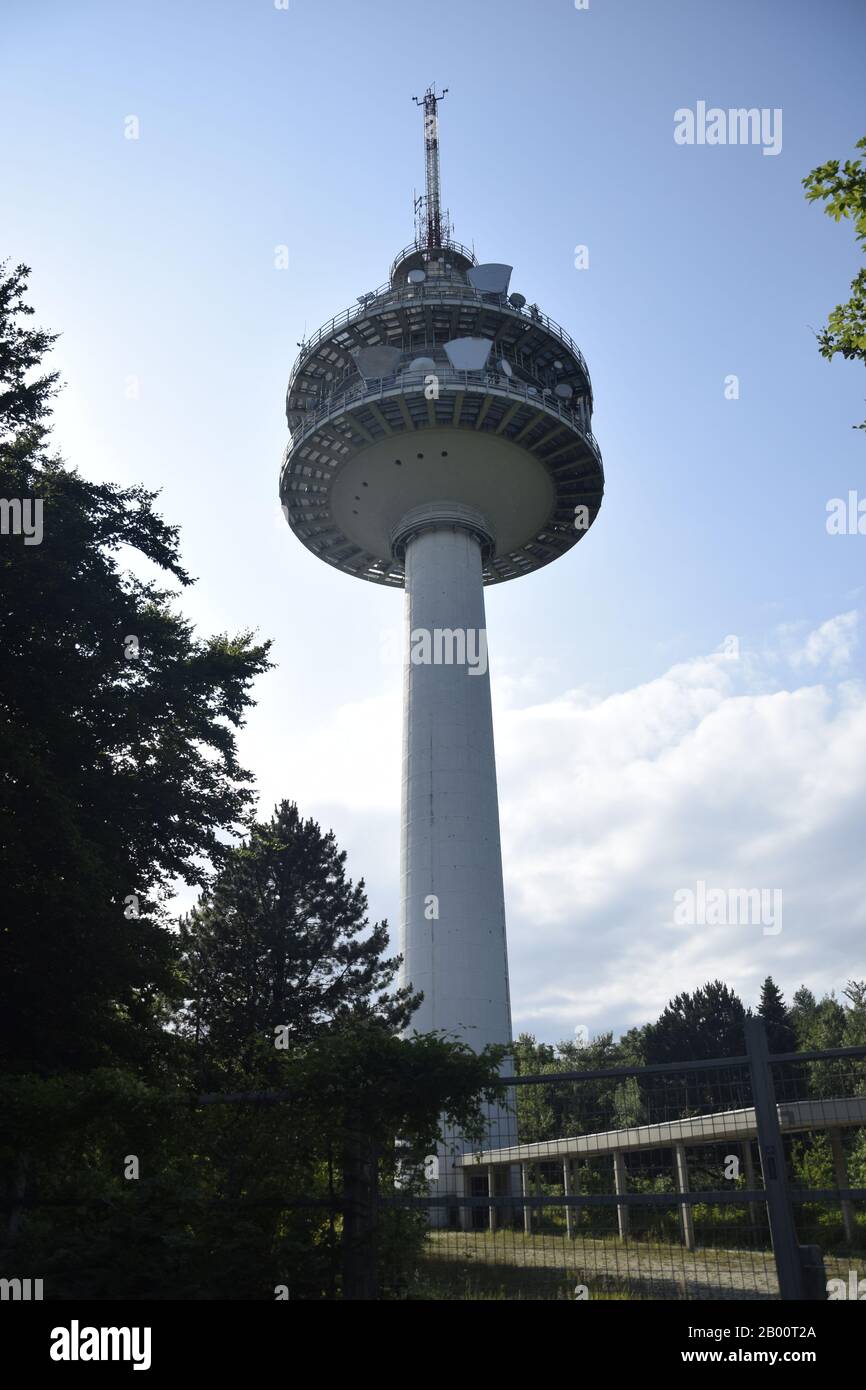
452	909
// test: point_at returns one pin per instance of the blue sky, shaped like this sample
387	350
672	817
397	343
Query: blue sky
632	761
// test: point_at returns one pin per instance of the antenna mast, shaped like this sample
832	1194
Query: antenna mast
432	220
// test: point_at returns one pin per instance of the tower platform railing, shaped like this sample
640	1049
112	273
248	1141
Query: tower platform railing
385	297
523	367
406	383
415	248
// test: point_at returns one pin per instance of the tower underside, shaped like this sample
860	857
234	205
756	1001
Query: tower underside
379	385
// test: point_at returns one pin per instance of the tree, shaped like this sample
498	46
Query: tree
537	1114
281	941
803	1009
843	191
232	1198
706	1024
781	1036
118	766
855	1013
693	1027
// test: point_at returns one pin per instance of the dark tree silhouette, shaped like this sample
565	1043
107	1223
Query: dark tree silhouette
282	941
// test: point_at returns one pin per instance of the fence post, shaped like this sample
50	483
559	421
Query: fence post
491	1192
360	1191
524	1189
786	1247
840	1170
620	1183
566	1187
749	1167
687	1218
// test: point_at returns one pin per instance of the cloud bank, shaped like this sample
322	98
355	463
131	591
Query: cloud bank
743	771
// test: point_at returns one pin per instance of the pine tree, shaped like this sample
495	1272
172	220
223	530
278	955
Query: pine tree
781	1036
705	1025
280	948
708	1023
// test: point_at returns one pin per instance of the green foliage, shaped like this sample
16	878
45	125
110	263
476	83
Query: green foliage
781	1036
857	1159
214	1211
706	1024
536	1119
855	1013
119	773
282	940
842	189
24	399
547	1112
812	1161
628	1107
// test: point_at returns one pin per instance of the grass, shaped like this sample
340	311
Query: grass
508	1264
467	1280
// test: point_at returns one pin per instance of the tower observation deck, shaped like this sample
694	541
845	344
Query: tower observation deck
441	441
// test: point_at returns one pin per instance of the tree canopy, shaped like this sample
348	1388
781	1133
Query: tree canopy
842	189
282	941
118	765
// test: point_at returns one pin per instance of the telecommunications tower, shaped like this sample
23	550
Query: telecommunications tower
441	441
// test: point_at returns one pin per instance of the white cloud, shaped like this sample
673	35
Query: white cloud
609	804
831	645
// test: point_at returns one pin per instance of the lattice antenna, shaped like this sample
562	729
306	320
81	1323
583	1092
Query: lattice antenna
429	224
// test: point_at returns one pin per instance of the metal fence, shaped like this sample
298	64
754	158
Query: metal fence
722	1178
733	1178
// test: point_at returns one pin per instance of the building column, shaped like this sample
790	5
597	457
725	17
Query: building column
840	1169
566	1187
687	1220
620	1187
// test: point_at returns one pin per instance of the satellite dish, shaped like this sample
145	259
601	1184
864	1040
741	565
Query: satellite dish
377	361
468	354
518	300
490	278
422	364
531	391
564	391
505	367
558	366
416	277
